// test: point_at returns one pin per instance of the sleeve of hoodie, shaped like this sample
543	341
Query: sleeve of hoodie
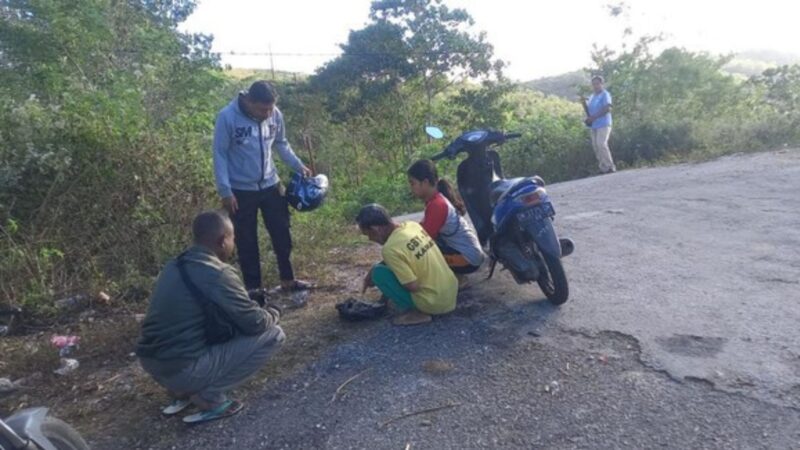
222	142
230	295
282	144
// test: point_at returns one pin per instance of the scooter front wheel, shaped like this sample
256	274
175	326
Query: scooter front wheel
553	281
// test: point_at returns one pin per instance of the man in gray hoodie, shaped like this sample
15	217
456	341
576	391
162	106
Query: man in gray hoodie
247	181
174	346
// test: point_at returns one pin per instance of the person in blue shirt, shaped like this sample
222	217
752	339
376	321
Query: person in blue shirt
247	180
598	118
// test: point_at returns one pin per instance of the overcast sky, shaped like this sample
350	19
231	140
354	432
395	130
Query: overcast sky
537	38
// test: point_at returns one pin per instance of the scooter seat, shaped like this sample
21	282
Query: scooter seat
499	187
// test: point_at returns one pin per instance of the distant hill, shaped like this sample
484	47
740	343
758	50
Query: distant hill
743	64
564	85
754	62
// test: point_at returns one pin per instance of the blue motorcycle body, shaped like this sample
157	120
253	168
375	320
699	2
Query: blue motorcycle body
523	202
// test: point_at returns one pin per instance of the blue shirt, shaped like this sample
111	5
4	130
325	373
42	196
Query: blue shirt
243	150
596	103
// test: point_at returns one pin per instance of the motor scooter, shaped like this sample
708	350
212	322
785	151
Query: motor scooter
514	217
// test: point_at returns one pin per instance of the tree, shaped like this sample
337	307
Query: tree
391	70
482	106
782	88
407	40
374	61
104	117
442	49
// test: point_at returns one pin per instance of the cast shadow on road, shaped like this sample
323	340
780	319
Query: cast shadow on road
489	317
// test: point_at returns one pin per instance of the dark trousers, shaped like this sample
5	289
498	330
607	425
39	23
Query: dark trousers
275	212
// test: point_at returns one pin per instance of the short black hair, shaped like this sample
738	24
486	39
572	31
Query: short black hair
262	92
209	226
373	215
599	78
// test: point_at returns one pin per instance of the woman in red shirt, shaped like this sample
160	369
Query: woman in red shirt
444	218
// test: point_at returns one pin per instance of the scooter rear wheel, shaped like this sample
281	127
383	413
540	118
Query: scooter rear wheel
553	281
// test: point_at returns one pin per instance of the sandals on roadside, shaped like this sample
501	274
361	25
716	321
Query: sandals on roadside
226	409
176	407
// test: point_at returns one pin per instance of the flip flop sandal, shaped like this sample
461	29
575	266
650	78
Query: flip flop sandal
175	407
227	409
410	319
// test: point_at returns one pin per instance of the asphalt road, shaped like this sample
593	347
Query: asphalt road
682	331
700	263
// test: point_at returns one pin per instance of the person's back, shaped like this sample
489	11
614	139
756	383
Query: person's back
174	327
412	255
455	232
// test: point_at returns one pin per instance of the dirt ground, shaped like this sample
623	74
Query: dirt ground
110	395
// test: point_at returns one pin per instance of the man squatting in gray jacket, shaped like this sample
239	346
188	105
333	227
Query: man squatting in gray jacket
174	348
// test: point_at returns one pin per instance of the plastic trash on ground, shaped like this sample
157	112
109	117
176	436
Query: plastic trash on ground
65	344
68	365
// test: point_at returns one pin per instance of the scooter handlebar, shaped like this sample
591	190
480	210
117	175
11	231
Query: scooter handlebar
496	137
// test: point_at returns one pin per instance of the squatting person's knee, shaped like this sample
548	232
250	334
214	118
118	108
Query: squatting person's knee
273	336
281	335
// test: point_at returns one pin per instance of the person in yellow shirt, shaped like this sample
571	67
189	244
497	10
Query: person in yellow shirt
413	275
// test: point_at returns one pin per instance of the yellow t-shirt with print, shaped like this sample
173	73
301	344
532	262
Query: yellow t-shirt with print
413	256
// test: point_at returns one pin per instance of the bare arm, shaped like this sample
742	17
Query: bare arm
603	111
412	287
585	106
368	283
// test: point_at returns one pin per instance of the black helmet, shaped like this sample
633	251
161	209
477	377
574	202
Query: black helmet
306	193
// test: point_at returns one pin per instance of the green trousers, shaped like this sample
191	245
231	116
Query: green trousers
390	286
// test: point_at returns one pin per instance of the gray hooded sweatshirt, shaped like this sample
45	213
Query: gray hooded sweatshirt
243	150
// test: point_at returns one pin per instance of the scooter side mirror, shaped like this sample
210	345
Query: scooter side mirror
434	132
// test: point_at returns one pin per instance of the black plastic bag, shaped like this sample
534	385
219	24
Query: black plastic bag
355	310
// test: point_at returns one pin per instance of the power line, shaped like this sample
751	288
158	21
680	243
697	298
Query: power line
297	54
235	53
